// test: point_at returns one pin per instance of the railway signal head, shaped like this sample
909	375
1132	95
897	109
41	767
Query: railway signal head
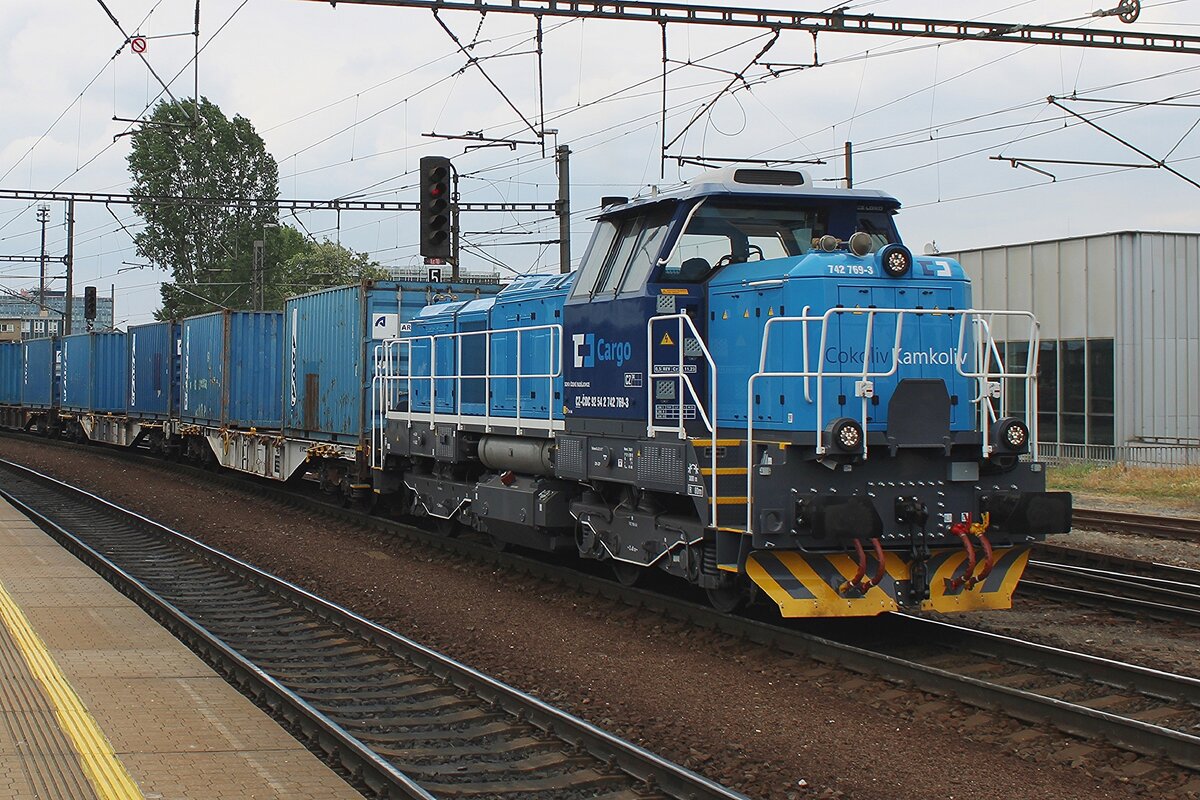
89	302
436	219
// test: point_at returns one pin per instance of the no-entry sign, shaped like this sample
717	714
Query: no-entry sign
138	44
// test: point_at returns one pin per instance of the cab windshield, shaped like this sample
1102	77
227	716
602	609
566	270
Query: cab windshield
725	231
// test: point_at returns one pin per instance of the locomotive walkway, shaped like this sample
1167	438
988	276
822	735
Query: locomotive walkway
98	701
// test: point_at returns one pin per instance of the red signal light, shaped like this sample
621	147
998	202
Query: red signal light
436	213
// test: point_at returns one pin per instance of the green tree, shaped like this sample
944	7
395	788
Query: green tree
297	265
207	247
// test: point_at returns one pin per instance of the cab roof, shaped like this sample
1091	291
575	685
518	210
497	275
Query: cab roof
753	181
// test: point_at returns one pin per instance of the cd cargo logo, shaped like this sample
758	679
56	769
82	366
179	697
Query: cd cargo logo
589	350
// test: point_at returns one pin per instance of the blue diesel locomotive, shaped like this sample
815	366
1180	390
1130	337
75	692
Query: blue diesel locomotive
750	383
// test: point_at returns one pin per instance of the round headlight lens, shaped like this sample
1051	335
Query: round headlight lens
1016	435
896	260
846	435
1011	435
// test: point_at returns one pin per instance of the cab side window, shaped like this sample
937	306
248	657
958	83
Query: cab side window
633	246
594	258
879	225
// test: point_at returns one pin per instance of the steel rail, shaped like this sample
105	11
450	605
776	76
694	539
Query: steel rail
594	755
1125	730
1095	519
933	640
1158	591
1111	601
1063	555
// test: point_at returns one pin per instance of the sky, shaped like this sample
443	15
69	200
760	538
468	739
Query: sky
345	96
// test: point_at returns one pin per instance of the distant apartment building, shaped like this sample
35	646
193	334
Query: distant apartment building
10	330
31	321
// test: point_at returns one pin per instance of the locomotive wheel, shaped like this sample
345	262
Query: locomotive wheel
627	574
726	599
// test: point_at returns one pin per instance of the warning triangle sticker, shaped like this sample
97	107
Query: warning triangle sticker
746	315
771	311
666	339
724	315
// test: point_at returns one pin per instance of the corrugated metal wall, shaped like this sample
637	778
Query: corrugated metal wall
1158	341
1140	289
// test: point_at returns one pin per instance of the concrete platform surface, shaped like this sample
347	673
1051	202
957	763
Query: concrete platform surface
99	702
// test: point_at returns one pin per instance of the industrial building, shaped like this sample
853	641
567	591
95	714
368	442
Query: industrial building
23	310
1118	371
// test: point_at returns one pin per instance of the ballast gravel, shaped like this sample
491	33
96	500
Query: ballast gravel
767	724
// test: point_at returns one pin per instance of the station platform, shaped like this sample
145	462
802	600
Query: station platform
98	702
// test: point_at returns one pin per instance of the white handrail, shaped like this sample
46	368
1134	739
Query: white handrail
391	373
708	417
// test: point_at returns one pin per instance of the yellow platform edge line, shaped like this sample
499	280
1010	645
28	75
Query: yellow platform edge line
107	774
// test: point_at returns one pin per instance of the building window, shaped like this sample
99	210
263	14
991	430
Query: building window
1072	391
1048	391
1101	369
1016	360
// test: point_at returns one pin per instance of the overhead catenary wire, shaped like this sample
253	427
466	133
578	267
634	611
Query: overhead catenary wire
608	135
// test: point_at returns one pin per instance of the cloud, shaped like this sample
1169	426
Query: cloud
342	97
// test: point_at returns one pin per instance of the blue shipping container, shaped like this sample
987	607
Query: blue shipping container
10	373
39	372
154	351
232	363
331	337
94	367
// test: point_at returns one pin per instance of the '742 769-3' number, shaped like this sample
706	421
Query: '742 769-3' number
851	269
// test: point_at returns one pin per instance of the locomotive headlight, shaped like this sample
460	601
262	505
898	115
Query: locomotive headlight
860	243
828	243
844	435
1012	435
896	260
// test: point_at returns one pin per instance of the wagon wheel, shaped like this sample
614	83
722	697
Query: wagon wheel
627	574
726	599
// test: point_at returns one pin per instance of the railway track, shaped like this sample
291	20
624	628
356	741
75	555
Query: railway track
411	722
1137	708
1142	709
1094	519
1158	591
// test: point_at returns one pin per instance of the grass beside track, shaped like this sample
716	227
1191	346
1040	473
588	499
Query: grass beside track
1175	488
